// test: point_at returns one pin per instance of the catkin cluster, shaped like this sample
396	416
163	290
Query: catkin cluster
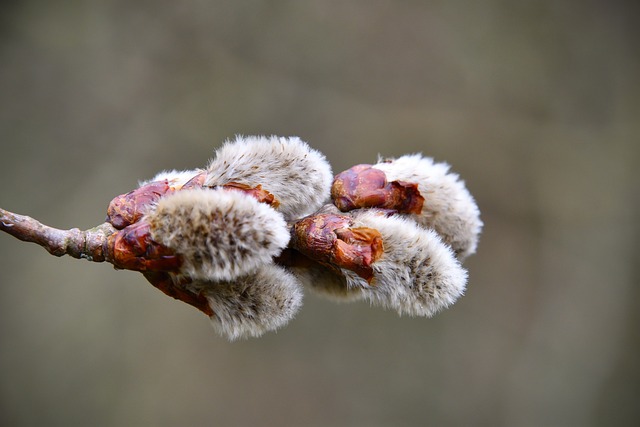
266	216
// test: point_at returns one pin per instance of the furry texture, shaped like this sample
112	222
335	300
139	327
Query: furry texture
449	208
253	304
176	178
297	175
327	283
219	234
417	274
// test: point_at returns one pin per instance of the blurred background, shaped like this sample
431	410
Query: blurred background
534	103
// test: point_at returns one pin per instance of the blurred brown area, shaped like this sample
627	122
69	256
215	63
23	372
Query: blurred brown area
536	104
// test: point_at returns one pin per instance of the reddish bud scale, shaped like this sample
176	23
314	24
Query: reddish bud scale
364	186
330	240
126	209
133	249
359	247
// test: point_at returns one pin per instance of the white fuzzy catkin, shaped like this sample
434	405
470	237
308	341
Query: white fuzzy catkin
219	234
253	304
297	175
448	207
417	273
327	283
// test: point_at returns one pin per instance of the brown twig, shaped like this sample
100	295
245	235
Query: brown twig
88	244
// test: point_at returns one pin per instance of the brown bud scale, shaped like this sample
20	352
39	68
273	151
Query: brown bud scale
364	186
133	249
332	241
126	209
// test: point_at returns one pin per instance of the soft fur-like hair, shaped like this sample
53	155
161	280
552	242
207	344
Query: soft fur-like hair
297	175
253	304
219	234
327	283
176	178
417	274
448	208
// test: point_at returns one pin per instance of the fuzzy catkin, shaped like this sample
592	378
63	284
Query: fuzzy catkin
417	274
297	175
252	304
448	208
327	283
219	234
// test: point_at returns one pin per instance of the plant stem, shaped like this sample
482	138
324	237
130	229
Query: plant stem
89	244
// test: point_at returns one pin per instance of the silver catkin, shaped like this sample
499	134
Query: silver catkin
251	305
327	283
297	175
219	234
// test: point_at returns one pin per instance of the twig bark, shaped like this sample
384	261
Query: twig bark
88	244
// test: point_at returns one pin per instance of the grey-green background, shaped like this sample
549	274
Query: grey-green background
535	104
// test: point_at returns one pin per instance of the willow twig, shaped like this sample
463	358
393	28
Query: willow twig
83	244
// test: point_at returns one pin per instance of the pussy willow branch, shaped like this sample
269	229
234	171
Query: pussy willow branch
89	244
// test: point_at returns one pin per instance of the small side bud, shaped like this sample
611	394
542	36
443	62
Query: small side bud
133	248
252	304
363	186
334	241
298	176
218	234
128	208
